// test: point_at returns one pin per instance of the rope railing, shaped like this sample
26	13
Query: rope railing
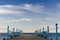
11	32
46	34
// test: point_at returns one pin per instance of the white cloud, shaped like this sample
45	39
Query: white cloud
4	11
58	5
26	19
9	9
13	9
17	9
34	8
48	19
16	20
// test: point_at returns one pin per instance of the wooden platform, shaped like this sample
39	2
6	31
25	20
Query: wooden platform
27	37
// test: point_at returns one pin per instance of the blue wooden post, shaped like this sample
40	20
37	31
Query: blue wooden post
48	33
8	32
40	32
56	31
16	31
36	32
43	31
13	32
19	33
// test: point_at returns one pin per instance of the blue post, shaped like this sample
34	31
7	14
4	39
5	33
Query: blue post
8	32
48	33
43	31
13	32
36	32
56	31
40	32
19	33
16	32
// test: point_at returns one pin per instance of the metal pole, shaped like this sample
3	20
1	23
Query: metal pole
8	32
48	33
56	31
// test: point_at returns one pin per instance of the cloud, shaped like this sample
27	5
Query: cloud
58	5
9	9
16	9
48	19
16	20
34	8
26	19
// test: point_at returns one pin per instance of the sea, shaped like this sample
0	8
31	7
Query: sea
51	36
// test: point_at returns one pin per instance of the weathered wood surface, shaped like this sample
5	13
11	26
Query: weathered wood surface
28	37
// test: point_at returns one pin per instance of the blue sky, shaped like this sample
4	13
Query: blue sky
29	15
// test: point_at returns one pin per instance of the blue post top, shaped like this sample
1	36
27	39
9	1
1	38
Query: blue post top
8	32
56	24
43	29
47	32
40	30
8	26
56	28
47	27
56	31
8	29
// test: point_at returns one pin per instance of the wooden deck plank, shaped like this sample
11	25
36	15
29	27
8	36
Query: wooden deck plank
28	37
